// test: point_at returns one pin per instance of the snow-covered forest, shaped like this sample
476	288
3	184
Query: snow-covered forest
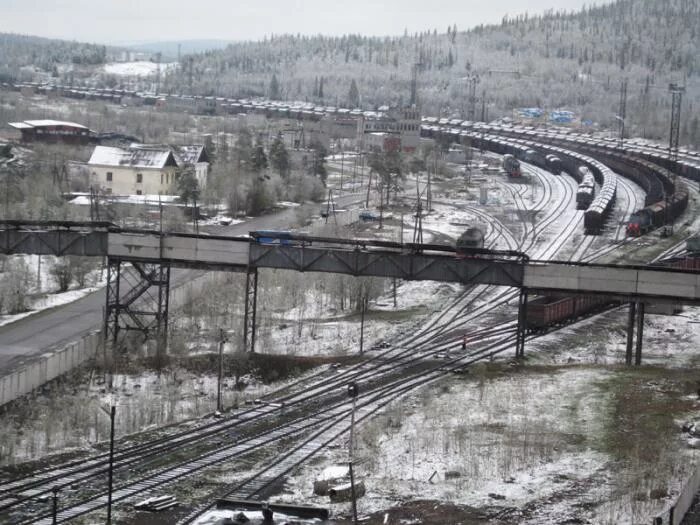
559	59
17	51
573	60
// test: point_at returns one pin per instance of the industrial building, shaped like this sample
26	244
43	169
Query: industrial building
54	131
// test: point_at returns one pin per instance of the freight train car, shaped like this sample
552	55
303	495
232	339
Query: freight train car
545	311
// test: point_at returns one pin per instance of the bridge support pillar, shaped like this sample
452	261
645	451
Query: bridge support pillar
251	303
640	334
636	314
630	332
522	325
138	300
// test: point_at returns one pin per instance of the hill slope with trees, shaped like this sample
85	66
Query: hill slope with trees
45	54
559	59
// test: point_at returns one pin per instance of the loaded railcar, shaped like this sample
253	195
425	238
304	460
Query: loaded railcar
545	311
554	164
535	157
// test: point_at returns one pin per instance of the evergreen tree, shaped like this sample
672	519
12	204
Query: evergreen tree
244	146
320	89
188	190
258	160
353	95
274	88
318	166
279	157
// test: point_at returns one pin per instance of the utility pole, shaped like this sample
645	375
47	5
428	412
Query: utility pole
418	224
622	111
111	413
330	207
54	506
342	159
363	308
353	392
222	341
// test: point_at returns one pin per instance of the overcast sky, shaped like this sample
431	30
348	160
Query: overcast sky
111	21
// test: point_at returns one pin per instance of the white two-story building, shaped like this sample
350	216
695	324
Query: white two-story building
144	169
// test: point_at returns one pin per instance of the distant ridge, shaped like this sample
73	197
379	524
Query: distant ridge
170	48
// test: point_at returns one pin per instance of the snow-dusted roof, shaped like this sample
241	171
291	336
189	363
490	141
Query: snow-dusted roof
184	155
191	154
134	157
44	123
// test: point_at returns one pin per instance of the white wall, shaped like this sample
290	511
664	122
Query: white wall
124	180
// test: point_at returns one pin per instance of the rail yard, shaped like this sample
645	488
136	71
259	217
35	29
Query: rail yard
554	196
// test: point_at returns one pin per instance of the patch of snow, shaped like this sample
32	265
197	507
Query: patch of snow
137	69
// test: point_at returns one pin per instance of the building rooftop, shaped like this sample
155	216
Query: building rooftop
132	157
28	124
191	154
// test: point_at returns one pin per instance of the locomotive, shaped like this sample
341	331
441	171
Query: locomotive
586	189
656	214
471	238
692	245
554	164
511	165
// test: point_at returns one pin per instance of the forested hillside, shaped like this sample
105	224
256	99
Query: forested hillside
18	51
573	60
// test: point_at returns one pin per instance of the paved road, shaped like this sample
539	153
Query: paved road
56	327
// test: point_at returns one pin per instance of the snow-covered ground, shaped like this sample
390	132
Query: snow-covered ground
43	288
136	69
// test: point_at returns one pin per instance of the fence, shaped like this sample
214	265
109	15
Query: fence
47	367
674	514
53	364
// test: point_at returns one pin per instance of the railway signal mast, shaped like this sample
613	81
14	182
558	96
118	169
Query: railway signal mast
674	138
677	94
623	111
472	81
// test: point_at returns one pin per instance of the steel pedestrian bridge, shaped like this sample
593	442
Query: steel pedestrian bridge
359	257
150	255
